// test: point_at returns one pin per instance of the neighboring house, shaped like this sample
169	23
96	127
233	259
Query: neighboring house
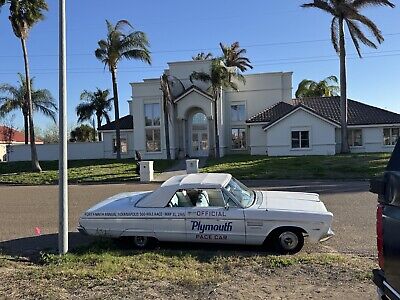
260	119
9	136
108	131
311	126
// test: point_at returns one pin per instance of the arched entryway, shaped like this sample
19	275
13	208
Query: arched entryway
199	135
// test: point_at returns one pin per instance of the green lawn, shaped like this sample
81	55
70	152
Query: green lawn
79	171
352	166
99	269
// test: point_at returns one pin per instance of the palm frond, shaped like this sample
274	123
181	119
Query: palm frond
203	56
201	76
370	25
357	35
138	54
320	4
365	3
334	34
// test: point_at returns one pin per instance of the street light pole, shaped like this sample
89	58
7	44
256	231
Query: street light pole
63	154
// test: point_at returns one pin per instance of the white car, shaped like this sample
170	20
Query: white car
211	208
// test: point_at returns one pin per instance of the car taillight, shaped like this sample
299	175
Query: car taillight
379	234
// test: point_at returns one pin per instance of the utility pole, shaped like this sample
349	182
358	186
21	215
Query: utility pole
63	153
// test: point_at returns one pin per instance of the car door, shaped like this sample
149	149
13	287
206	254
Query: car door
212	221
172	225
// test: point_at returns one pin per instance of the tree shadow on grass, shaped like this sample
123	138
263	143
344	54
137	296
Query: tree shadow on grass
32	248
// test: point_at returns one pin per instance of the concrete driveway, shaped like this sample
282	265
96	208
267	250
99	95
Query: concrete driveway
23	208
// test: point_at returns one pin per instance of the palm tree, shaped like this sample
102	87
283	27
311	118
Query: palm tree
95	103
14	98
324	88
347	12
24	14
167	104
122	42
233	57
170	86
219	78
203	56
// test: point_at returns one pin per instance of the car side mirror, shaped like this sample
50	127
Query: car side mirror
226	205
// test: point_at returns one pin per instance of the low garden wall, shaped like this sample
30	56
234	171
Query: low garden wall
76	151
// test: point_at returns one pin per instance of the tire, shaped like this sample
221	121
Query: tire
288	241
143	242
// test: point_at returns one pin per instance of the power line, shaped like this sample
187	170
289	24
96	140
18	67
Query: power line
201	49
254	63
128	70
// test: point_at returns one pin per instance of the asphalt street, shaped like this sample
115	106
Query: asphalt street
29	214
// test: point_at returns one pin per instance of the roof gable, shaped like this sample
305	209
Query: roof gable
305	109
192	89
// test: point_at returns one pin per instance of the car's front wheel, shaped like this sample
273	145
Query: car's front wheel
143	242
288	241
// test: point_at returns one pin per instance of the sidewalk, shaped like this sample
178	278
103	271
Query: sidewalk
177	169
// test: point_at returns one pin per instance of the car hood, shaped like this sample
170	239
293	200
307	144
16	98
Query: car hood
293	201
116	204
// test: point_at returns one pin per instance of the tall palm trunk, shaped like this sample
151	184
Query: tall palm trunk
216	97
166	128
343	89
26	128
34	157
116	112
98	125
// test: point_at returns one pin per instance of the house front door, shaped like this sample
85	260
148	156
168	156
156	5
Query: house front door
199	143
199	136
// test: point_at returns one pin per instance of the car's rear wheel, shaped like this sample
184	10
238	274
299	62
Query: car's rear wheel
143	242
288	241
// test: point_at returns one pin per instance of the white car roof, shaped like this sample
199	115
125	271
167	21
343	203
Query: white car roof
161	196
199	180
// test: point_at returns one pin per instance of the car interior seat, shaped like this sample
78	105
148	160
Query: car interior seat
203	200
183	199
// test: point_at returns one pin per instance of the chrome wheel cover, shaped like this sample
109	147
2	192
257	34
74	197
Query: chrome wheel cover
140	241
288	240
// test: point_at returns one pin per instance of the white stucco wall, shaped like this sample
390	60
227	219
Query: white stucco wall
48	152
257	140
322	135
372	140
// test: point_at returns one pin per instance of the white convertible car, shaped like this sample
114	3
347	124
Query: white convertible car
211	208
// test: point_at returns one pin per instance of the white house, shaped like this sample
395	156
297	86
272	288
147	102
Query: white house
260	119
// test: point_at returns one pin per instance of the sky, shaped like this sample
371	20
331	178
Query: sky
278	36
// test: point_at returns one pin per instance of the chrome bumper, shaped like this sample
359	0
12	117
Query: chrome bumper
327	236
82	230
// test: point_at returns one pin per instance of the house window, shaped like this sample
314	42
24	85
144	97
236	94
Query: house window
153	140
354	138
152	116
124	146
237	113
300	139
238	138
390	136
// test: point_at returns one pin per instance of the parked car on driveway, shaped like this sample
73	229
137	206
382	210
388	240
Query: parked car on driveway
211	208
387	277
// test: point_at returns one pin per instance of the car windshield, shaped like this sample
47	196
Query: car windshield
242	193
